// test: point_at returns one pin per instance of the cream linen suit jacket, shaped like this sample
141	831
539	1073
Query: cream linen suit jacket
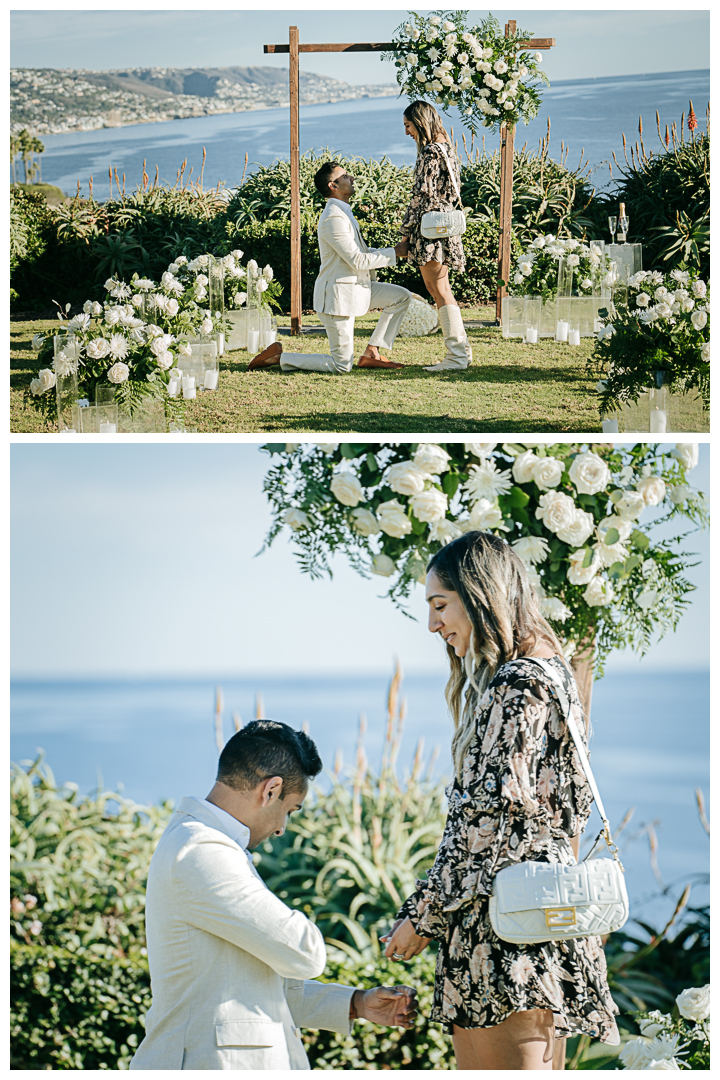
347	264
229	962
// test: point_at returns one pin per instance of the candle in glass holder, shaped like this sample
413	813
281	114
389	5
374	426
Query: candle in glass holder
173	388
267	337
658	420
573	337
531	335
106	428
561	330
253	341
221	343
610	427
211	379
188	386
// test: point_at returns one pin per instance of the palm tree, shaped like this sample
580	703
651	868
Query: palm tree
14	151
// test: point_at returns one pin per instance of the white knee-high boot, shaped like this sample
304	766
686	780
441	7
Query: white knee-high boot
458	353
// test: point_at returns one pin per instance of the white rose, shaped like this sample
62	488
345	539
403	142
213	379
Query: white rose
699	319
406	478
112	316
538	58
160	344
573	260
631	505
547	472
652	489
421	77
347	489
172	307
434	20
624	527
586	284
705	352
448	26
364	522
678	493
383	565
580	528
539	242
634	1055
553	608
589	473
480	449
296	519
429	505
411	60
642	299
444	531
35	387
206	326
98	348
686	454
237	253
485	514
392	519
500	67
118	373
531	549
184	349
599	593
699	288
694	1003
37	342
46	378
431	458
556	510
518	278
165	361
654	1023
239	299
578	574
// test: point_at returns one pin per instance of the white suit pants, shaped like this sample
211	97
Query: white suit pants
393	299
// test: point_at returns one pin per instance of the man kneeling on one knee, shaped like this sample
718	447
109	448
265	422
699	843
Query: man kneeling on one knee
346	287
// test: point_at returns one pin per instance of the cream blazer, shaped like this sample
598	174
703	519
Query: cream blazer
347	265
229	961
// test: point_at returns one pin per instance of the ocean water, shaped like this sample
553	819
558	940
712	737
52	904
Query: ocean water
585	114
155	739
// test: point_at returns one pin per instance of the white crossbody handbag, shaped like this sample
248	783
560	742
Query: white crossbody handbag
440	224
533	902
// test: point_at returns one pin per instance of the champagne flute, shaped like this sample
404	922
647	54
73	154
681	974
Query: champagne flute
624	226
612	222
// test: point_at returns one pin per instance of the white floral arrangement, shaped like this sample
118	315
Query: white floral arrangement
664	326
571	512
134	337
420	318
442	59
536	270
667	1043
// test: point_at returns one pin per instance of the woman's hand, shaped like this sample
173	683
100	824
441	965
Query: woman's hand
402	943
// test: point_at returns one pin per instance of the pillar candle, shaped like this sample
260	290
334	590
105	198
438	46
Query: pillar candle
221	343
658	420
188	385
573	337
253	341
610	426
173	387
106	428
211	379
561	330
531	335
266	338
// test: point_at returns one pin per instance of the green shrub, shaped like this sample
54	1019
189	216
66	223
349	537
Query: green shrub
74	1010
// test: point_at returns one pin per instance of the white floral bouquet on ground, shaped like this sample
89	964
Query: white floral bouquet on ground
421	318
536	270
571	512
487	76
663	327
672	1042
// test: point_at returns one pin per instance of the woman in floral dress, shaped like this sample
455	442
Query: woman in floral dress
433	189
519	794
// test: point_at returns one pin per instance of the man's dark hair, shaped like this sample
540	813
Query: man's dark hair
322	176
265	748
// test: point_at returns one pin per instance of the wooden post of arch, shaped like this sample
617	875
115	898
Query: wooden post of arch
294	48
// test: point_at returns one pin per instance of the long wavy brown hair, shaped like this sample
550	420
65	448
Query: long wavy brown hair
502	607
427	120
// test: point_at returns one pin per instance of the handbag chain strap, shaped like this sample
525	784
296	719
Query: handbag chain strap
584	759
452	174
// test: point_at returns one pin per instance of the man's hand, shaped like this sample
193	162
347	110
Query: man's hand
402	249
391	1006
402	943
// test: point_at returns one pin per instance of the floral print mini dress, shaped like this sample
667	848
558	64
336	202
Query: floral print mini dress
521	796
433	190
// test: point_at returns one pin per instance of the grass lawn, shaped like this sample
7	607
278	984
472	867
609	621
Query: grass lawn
509	387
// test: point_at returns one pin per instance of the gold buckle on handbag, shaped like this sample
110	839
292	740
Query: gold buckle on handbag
441	230
559	917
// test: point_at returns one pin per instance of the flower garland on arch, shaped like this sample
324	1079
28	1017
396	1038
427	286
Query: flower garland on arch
476	68
571	512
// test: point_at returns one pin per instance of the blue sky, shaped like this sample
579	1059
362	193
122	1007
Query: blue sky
589	43
139	559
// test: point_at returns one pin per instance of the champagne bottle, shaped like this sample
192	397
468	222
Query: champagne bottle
621	234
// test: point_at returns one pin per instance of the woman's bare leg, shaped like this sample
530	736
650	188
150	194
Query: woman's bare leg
437	282
525	1040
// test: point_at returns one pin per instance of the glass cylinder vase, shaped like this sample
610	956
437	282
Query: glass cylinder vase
66	353
533	309
659	400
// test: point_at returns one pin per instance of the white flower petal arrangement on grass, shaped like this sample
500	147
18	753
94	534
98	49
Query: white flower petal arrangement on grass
442	59
138	333
571	512
669	1043
663	327
421	318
